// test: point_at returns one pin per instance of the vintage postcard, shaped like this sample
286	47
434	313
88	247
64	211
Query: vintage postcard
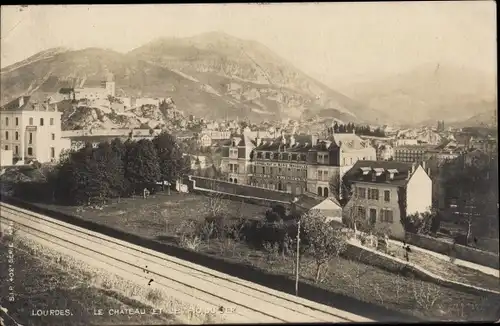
249	163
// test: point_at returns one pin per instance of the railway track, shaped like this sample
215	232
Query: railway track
196	285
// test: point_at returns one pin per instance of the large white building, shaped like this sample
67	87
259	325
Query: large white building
32	130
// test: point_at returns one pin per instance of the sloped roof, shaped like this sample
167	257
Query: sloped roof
329	203
28	105
400	178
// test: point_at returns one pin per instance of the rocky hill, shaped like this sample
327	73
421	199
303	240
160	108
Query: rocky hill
211	75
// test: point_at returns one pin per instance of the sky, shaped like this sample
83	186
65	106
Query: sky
337	43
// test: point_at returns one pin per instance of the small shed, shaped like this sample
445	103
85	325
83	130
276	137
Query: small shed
330	208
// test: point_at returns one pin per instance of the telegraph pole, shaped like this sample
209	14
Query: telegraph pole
298	247
297	263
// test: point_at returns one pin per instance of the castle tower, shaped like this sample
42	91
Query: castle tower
110	85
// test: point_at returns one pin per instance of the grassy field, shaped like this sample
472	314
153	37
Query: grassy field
42	284
160	217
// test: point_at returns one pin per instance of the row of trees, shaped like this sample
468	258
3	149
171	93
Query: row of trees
471	183
358	130
117	169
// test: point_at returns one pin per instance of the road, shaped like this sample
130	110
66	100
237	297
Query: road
189	283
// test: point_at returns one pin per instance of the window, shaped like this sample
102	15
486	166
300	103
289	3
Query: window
386	216
361	212
52	152
31	138
373	215
362	193
6	121
16	150
259	154
30	151
31	121
268	156
294	157
263	170
320	191
6	147
51	121
320	175
373	194
53	136
17	135
325	192
17	121
6	135
41	121
387	196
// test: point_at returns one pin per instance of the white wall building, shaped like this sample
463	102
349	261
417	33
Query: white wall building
32	130
6	157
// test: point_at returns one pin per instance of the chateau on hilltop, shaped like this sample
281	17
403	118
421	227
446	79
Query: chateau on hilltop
108	88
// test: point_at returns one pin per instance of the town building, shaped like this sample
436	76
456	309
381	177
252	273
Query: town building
236	159
385	152
294	163
486	144
205	140
405	142
429	137
445	152
412	153
32	130
381	192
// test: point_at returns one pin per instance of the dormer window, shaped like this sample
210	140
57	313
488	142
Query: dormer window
365	171
268	155
294	157
378	171
391	173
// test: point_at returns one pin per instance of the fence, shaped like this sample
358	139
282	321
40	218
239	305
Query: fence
238	190
473	255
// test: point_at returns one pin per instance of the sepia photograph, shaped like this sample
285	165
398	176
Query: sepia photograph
248	163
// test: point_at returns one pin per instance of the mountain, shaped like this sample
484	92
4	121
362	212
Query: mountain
211	75
428	93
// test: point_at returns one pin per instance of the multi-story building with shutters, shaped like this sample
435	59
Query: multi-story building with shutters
381	192
293	163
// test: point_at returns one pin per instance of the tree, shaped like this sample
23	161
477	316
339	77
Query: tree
172	163
143	168
323	240
111	171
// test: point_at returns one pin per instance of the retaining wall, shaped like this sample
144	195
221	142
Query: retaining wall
473	255
373	257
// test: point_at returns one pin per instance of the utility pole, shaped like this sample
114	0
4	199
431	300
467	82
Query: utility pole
298	258
294	211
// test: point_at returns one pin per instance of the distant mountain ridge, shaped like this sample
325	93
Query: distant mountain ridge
211	75
430	92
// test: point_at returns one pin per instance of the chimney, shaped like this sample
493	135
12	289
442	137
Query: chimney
21	101
292	140
258	140
424	165
429	172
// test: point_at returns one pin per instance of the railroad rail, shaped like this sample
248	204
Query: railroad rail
187	282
